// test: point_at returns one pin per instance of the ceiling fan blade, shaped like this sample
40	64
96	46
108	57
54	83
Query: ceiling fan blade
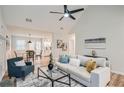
72	17
61	18
77	10
65	8
56	12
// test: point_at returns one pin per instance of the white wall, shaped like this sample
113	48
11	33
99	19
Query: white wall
19	31
59	36
2	46
71	41
103	21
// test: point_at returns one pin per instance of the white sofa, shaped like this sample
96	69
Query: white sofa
97	78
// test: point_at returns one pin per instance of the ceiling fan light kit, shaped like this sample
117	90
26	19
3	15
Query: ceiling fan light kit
68	13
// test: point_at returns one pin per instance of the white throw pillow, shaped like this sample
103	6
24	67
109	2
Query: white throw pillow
20	63
101	62
74	56
83	59
74	62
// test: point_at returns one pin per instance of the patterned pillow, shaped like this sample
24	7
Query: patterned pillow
64	59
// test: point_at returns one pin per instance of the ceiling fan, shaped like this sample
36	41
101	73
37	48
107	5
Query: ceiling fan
68	13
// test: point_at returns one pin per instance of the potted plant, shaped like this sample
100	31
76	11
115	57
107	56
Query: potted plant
50	65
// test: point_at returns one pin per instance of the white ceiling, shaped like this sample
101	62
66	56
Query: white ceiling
41	18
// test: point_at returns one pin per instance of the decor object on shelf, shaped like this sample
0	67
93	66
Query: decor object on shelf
50	65
95	43
93	52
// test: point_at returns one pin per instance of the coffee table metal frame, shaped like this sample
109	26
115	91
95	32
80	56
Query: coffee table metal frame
55	80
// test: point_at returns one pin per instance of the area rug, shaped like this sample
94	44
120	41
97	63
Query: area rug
33	81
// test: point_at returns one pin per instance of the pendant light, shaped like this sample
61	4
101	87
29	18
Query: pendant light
29	40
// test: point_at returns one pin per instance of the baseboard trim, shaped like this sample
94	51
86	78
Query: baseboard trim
117	72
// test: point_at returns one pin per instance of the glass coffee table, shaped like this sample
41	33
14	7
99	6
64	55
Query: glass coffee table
55	75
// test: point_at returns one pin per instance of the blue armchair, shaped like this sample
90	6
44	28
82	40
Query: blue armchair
19	71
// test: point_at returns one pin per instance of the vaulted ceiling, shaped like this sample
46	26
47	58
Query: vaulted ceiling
40	16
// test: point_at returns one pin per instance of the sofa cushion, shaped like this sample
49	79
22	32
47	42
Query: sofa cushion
80	72
61	66
100	62
83	59
74	62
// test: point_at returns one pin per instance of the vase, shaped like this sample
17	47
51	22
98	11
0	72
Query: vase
50	66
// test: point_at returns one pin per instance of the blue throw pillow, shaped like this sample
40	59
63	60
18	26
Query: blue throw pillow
64	59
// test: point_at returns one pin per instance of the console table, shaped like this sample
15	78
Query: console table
96	56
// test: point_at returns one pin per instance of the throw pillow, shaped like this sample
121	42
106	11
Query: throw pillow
74	62
64	59
90	65
20	63
101	62
83	60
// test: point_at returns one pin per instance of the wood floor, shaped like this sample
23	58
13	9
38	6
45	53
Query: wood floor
117	80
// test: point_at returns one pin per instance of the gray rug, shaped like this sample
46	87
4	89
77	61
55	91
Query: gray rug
32	81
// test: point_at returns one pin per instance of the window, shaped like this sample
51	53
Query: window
38	45
20	44
47	43
32	46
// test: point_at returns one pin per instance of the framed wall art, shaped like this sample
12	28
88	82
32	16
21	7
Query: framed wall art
59	43
62	45
94	43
